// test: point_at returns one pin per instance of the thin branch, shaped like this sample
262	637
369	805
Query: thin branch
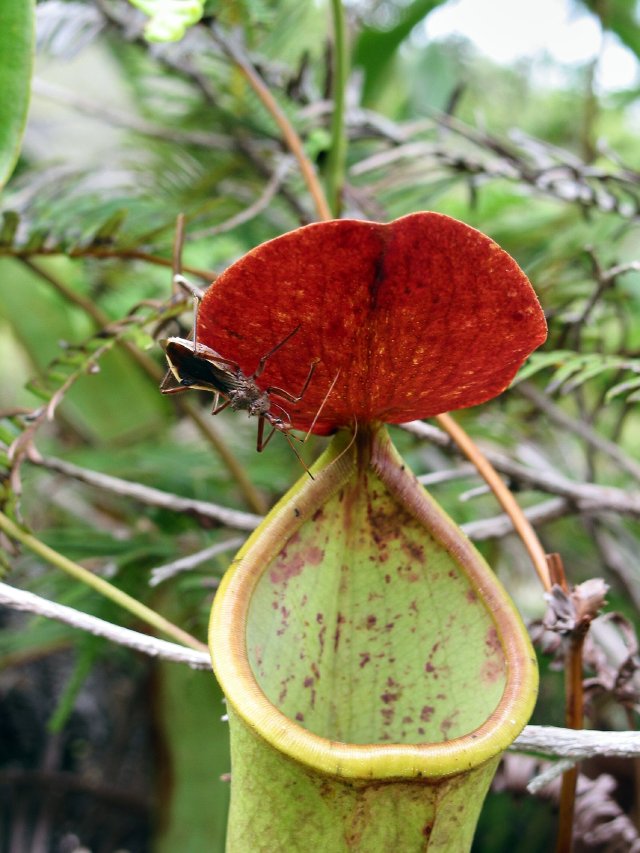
100	585
549	774
618	553
503	495
150	495
573	712
192	561
181	60
253	210
502	525
548	170
19	599
620	269
338	150
104	253
461	472
478	530
207	429
579	427
587	497
88	106
578	744
291	138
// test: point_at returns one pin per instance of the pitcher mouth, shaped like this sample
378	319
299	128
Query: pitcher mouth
248	597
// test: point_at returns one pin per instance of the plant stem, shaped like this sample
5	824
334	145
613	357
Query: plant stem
99	252
289	133
503	494
102	586
338	152
574	712
574	708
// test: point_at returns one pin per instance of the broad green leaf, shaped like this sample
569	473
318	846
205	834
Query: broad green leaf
621	18
16	62
376	48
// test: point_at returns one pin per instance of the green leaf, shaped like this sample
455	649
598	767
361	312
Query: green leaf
169	18
116	402
376	47
88	652
623	388
16	62
620	17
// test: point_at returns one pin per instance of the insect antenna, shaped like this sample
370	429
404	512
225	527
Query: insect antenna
288	436
322	404
178	281
275	405
349	446
263	443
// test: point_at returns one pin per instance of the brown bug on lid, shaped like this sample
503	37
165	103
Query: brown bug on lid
195	366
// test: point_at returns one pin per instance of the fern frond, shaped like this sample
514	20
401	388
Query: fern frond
65	29
58	210
572	370
81	359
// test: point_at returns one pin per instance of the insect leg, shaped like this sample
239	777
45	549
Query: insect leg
178	389
217	409
293	447
179	281
262	443
265	358
189	287
326	397
290	397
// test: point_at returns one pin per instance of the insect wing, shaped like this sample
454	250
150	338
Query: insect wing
204	369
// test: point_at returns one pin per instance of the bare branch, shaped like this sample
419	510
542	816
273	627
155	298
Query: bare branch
577	744
579	427
550	774
501	525
19	599
587	497
163	573
151	496
460	472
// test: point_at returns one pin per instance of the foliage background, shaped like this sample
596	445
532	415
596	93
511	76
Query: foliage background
99	746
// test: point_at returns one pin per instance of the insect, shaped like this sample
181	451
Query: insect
195	366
